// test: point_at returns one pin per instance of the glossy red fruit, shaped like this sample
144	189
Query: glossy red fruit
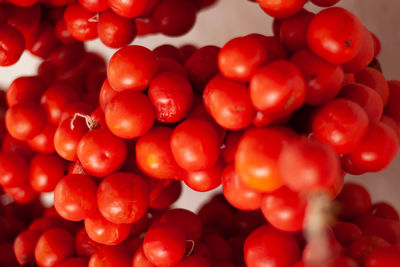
335	34
111	256
105	232
167	196
53	247
284	209
236	193
75	197
309	166
228	102
14	169
128	9
384	256
194	144
241	57
81	23
12	45
376	150
115	31
139	259
277	88
131	68
266	245
202	66
129	114
281	9
340	123
366	97
324	3
123	198
323	79
374	79
346	232
354	200
206	179
84	246
153	154
164	244
43	142
45	172
24	246
256	159
364	56
186	220
174	17
25	120
293	31
101	153
171	95
25	88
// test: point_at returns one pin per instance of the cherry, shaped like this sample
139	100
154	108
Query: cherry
12	45
383	256
53	247
206	179
266	245
193	261
324	80
364	56
164	244
101	153
128	9
171	95
122	198
240	57
111	256
75	197
14	169
94	5
167	195
129	114
186	220
335	34
43	142
228	102
153	154
346	232
391	107
25	88
174	17
354	200
24	246
81	23
281	9
374	79
194	144
115	31
293	31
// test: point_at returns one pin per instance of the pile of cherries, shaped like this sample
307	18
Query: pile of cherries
278	121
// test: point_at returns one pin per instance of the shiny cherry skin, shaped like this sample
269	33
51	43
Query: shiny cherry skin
25	120
228	102
236	193
101	153
376	150
111	256
131	68
171	95
25	88
75	197
123	198
279	87
45	171
241	57
266	245
194	144
164	244
293	31
281	9
340	123
323	79
206	179
256	159
115	31
80	22
12	45
24	246
14	169
105	232
128	9
153	154
53	247
43	142
335	34
129	114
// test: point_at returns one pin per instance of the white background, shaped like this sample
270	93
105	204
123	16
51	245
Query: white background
231	18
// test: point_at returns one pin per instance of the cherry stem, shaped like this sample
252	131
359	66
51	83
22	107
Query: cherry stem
191	247
91	124
318	217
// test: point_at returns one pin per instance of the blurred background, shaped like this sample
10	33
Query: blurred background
232	18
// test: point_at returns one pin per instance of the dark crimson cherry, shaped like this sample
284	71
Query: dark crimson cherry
374	79
12	45
14	169
25	88
354	200
111	256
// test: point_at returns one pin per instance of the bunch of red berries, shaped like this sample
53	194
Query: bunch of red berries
278	121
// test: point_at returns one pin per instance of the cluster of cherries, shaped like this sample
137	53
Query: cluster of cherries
43	27
276	120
